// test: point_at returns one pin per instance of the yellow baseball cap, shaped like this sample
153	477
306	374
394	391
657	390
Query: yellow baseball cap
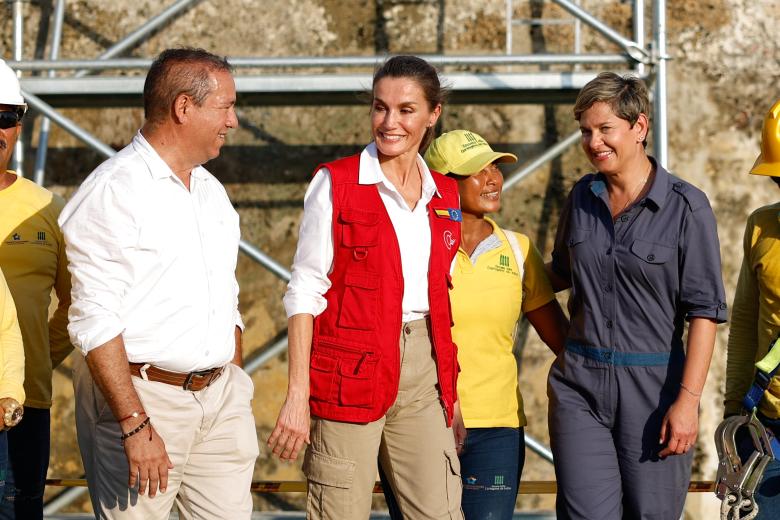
463	153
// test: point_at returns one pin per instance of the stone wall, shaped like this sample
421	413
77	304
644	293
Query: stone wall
722	78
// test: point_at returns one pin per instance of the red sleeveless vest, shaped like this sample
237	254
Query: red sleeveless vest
355	358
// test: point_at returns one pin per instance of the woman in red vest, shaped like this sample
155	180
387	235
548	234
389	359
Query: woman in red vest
372	366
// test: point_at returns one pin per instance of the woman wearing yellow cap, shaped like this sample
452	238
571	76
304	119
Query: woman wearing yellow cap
497	277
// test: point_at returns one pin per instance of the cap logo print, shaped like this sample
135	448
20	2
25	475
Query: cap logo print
472	141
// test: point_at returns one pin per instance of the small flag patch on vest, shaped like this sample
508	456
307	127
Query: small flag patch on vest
450	213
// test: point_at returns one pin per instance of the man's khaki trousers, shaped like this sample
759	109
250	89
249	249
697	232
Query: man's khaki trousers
416	448
210	437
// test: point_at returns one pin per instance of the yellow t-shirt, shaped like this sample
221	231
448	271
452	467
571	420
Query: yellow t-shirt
755	315
487	298
11	350
32	256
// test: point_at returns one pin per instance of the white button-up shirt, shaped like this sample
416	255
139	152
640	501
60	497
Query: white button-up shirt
314	255
153	262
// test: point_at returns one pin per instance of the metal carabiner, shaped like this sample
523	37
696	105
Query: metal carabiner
734	476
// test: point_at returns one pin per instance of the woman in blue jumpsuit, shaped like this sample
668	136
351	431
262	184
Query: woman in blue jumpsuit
639	249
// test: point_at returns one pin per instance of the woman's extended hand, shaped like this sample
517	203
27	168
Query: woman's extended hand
458	428
292	428
680	426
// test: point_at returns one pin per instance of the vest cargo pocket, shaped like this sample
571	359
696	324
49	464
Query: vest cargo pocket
454	484
322	377
360	305
357	381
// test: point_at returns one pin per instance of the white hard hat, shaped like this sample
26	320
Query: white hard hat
10	92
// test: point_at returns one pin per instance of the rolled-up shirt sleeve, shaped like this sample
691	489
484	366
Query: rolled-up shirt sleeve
701	283
99	231
314	254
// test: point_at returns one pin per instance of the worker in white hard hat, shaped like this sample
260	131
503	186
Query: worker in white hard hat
32	257
12	109
755	320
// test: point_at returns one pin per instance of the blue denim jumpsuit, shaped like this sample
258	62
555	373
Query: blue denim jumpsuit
635	280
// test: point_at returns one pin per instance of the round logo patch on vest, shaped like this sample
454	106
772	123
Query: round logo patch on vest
449	240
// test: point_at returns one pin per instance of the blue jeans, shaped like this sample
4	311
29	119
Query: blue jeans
28	447
491	464
768	492
3	463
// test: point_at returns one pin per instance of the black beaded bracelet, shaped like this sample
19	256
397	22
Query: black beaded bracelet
137	429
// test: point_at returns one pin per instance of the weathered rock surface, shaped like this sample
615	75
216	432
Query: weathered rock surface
722	78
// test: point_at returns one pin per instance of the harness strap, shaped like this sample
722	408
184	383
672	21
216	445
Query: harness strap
765	371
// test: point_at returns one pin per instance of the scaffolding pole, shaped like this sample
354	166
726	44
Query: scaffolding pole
660	134
340	61
143	31
639	31
547	156
43	134
636	55
631	47
17	163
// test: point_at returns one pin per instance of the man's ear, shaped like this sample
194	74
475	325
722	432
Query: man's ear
181	107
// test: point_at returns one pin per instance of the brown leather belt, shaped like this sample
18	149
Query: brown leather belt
193	381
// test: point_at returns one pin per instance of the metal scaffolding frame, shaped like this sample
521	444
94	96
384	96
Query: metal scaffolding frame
48	90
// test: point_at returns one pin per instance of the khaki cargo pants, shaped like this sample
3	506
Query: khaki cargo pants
416	448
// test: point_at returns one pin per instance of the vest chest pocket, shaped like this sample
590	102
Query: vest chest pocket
360	304
360	229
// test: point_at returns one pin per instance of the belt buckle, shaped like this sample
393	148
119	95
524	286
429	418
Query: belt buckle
188	380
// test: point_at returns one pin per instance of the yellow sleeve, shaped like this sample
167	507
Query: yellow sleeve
59	342
537	290
743	332
11	349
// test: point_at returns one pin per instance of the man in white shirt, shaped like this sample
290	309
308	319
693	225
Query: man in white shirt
152	241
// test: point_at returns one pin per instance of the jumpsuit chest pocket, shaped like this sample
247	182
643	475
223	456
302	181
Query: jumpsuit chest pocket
651	252
578	235
580	247
653	263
